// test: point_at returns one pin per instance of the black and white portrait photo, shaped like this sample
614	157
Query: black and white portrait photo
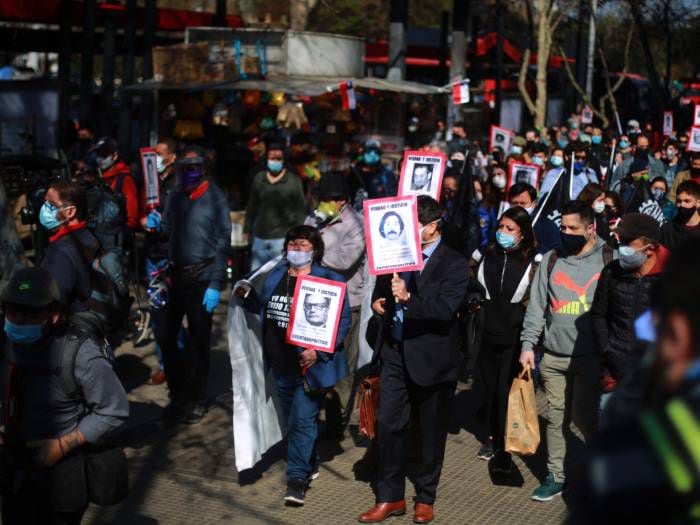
421	173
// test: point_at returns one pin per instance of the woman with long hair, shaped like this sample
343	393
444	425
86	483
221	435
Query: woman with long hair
505	273
594	195
493	193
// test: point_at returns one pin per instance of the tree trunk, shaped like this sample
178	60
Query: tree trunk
655	84
299	13
591	51
544	44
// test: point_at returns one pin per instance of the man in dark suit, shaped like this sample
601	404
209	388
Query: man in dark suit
419	360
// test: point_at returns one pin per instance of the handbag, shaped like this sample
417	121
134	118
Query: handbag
522	426
107	475
368	403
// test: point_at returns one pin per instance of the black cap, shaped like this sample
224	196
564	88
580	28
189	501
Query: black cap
32	287
106	146
332	186
636	225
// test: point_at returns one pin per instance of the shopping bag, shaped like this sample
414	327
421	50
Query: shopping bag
522	426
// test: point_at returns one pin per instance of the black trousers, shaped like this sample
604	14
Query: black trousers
187	371
430	405
31	504
497	366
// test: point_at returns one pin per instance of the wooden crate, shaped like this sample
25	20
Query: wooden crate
180	63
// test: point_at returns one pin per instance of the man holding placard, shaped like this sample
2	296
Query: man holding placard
419	359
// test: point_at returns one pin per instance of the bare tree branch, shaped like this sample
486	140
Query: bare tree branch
610	95
586	100
521	83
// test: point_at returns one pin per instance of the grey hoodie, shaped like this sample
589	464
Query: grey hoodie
560	304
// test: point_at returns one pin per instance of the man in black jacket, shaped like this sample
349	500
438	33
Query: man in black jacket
624	293
419	358
197	225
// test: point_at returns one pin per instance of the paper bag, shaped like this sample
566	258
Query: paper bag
522	426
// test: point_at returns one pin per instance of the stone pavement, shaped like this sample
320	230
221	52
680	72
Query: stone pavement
188	476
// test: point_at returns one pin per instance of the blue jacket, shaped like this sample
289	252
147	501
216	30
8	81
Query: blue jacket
329	368
488	222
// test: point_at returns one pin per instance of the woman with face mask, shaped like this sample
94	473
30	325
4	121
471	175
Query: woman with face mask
302	375
594	195
504	275
659	190
493	194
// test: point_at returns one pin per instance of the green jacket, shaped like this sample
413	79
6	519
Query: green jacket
274	208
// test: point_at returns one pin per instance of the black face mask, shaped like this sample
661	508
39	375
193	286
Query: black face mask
695	172
684	214
572	243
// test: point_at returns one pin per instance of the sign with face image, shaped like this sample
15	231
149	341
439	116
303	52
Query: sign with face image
696	115
392	235
149	166
315	315
527	173
694	140
501	138
421	173
668	123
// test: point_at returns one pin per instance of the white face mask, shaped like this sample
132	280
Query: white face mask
499	181
420	234
298	258
599	206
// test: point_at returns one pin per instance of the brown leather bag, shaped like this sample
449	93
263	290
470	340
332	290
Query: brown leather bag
368	403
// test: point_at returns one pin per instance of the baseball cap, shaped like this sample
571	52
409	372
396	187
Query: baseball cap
106	146
519	141
373	144
32	287
636	225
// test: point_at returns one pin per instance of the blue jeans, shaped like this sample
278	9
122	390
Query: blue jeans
300	410
263	250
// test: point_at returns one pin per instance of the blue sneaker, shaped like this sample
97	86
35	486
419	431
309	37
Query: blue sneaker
548	490
296	490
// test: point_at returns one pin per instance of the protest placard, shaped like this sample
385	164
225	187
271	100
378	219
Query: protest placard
421	173
392	235
521	172
150	176
315	315
500	138
668	123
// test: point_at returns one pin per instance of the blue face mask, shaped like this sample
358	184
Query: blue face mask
539	161
562	143
506	240
371	157
23	334
596	139
275	166
47	216
624	144
556	161
578	166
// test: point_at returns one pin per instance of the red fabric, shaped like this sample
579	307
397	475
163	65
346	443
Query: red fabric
129	190
199	190
65	230
661	258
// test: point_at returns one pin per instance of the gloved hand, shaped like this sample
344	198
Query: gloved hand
211	299
153	221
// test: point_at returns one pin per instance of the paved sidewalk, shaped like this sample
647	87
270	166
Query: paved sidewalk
188	476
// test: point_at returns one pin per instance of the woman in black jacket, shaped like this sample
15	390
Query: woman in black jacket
505	274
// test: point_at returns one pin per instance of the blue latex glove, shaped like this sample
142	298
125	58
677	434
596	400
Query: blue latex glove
211	299
153	221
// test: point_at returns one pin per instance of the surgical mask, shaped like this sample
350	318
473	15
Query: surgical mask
631	259
516	150
298	258
371	157
573	243
327	210
624	144
539	161
105	162
596	139
599	207
578	166
531	209
499	181
506	240
684	214
670	153
557	161
563	143
23	334
275	166
160	164
658	193
47	216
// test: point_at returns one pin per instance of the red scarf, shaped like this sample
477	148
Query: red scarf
199	190
65	230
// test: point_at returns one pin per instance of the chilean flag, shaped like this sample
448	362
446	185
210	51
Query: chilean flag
460	92
347	93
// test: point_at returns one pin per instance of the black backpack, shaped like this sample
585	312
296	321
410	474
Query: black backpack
106	215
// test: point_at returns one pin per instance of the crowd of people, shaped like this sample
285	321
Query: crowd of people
576	277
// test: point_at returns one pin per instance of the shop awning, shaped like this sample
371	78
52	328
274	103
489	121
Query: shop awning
304	86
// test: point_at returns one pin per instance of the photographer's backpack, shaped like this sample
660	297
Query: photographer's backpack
107	213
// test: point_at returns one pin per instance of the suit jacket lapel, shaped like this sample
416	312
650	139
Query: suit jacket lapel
432	263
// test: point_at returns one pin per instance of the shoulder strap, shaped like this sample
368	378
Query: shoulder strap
551	262
120	182
66	363
607	254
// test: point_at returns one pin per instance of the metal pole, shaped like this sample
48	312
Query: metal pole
86	73
147	109
127	80
398	18
63	73
220	16
460	18
108	62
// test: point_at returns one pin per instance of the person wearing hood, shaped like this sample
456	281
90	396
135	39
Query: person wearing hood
117	175
624	293
641	153
197	226
372	178
559	313
302	375
343	233
276	203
